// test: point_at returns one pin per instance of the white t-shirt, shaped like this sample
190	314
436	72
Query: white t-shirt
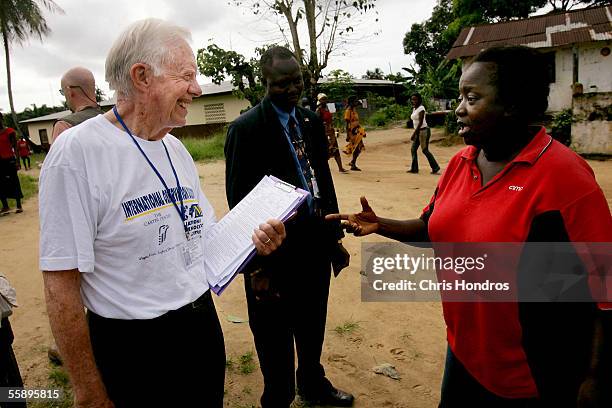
104	212
415	117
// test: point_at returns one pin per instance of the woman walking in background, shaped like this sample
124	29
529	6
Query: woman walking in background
354	132
421	136
24	152
332	141
9	181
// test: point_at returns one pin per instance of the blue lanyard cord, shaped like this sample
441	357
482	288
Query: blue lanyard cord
181	211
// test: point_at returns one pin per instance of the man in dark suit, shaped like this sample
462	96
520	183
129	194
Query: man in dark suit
287	294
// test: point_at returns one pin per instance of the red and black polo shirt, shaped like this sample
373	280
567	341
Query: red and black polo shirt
547	194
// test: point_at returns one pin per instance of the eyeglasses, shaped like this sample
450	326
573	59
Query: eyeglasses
61	90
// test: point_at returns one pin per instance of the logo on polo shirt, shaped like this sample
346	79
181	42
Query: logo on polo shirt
515	188
162	233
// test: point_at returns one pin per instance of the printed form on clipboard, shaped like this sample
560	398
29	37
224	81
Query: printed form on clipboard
228	245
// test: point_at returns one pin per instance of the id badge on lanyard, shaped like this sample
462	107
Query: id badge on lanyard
192	250
315	186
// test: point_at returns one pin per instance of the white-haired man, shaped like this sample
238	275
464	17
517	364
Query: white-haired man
122	219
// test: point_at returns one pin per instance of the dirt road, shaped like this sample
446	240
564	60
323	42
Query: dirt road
408	335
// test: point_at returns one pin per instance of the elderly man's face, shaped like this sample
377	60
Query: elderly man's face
173	91
284	83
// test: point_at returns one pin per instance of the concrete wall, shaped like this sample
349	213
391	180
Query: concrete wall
560	96
595	70
34	131
592	129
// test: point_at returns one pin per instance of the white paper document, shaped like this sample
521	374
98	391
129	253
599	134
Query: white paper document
228	245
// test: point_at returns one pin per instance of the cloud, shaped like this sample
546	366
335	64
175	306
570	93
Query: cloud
84	34
197	15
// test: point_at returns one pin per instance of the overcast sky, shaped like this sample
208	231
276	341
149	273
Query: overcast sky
83	35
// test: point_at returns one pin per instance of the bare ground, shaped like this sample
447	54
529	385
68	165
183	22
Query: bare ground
410	336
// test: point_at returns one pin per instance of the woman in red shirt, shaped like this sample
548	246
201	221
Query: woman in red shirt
514	184
9	182
24	152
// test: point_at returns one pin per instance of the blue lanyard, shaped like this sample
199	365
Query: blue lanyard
181	211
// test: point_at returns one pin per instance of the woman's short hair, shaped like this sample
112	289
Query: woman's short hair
147	41
418	96
521	78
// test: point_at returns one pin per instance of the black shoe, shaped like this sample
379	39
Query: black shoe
436	171
355	168
413	171
334	397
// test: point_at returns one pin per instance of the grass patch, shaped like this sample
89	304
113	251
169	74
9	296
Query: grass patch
205	149
246	364
36	158
347	327
58	378
229	364
29	188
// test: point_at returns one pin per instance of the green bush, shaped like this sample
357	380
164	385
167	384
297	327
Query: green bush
562	126
379	101
388	114
450	122
378	119
205	149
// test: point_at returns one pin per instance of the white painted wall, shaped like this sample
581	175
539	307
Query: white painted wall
232	104
560	96
33	130
595	69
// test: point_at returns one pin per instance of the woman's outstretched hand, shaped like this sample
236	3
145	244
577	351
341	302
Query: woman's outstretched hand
363	223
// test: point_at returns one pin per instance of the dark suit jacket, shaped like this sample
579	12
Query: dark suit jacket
256	146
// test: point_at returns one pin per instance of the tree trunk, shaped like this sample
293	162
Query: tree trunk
313	63
8	80
286	10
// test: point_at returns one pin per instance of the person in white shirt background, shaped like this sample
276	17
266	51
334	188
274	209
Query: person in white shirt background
420	136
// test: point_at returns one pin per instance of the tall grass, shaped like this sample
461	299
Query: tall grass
205	149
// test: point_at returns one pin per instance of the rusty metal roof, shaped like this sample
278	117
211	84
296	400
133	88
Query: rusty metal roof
551	30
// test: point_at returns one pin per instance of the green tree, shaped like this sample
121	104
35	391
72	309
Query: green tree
30	112
563	5
431	40
377	73
397	78
330	25
339	85
497	10
20	19
100	95
428	41
217	63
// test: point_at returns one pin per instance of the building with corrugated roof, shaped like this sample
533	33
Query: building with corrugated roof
578	45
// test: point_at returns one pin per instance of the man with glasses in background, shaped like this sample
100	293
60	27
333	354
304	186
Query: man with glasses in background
79	88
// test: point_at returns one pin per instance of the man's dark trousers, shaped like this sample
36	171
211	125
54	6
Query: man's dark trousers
299	313
300	270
